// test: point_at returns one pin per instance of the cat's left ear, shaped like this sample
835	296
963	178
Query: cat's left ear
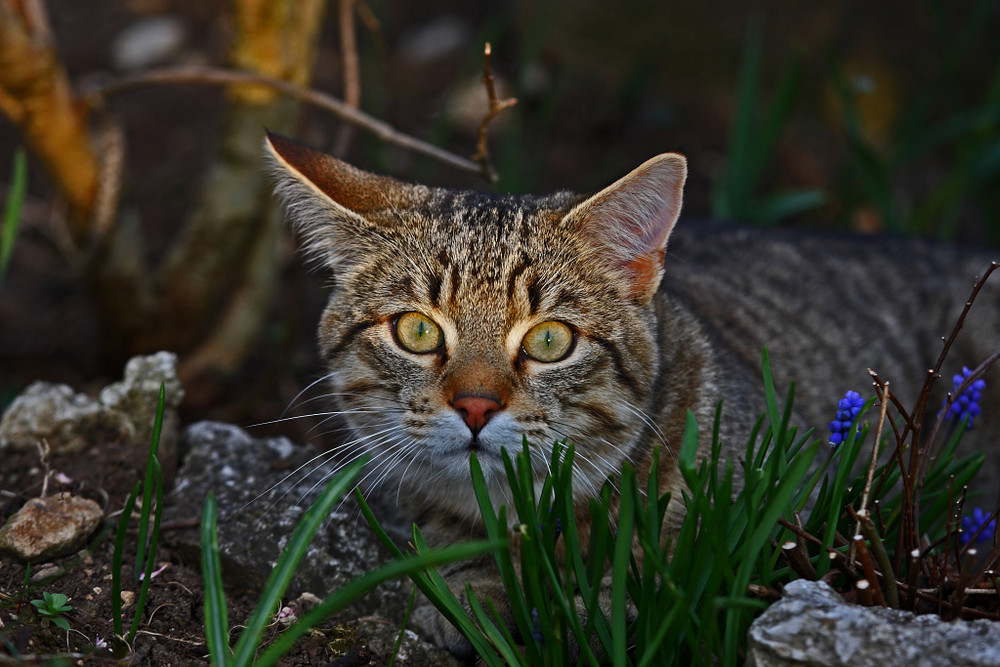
333	205
629	221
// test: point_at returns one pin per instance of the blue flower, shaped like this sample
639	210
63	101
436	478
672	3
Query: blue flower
968	403
970	524
536	626
847	411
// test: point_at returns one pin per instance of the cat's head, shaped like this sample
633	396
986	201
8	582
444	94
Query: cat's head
462	321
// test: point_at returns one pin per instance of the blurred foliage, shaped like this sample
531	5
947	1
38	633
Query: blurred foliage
955	139
752	144
837	116
12	210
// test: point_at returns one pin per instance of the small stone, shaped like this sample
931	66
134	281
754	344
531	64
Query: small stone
47	528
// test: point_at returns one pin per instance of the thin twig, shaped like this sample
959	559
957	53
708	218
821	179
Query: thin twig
875	447
97	95
352	72
482	155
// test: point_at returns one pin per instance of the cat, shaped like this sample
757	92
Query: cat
461	321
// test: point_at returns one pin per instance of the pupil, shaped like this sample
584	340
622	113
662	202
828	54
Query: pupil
548	338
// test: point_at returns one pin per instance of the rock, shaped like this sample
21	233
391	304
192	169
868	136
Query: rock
372	641
46	528
150	41
812	625
261	494
124	411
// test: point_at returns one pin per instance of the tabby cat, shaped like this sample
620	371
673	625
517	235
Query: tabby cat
462	321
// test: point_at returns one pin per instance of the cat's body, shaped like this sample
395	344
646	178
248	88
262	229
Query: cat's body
461	322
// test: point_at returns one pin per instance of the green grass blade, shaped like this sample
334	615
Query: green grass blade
216	614
619	570
116	560
154	539
147	485
12	209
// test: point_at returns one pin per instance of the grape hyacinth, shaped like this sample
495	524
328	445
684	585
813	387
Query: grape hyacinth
847	410
970	524
968	402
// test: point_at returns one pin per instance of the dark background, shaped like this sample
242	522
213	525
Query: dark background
602	86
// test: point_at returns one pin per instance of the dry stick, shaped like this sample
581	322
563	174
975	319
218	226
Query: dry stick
838	559
482	155
888	575
352	72
964	577
798	559
868	567
913	566
874	459
96	96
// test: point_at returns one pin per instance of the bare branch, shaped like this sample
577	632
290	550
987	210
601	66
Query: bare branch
482	155
352	72
97	95
35	94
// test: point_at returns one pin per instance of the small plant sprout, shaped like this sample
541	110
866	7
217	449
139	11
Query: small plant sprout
847	411
53	606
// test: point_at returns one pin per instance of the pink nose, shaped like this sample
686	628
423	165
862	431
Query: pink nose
476	410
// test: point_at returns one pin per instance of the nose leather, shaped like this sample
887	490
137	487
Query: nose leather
476	411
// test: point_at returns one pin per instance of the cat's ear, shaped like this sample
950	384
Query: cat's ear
331	203
629	221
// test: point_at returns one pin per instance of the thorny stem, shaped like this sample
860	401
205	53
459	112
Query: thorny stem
97	95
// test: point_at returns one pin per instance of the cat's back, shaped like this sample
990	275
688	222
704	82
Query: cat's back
829	306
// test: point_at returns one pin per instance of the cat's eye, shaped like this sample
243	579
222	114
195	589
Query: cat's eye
548	341
418	333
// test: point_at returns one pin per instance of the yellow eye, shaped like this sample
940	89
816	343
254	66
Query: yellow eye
418	333
548	341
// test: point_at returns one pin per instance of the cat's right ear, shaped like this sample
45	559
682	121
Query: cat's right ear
330	203
628	222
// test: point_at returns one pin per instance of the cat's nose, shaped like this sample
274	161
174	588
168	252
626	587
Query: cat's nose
476	410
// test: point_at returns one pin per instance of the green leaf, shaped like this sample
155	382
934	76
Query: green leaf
216	614
12	209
